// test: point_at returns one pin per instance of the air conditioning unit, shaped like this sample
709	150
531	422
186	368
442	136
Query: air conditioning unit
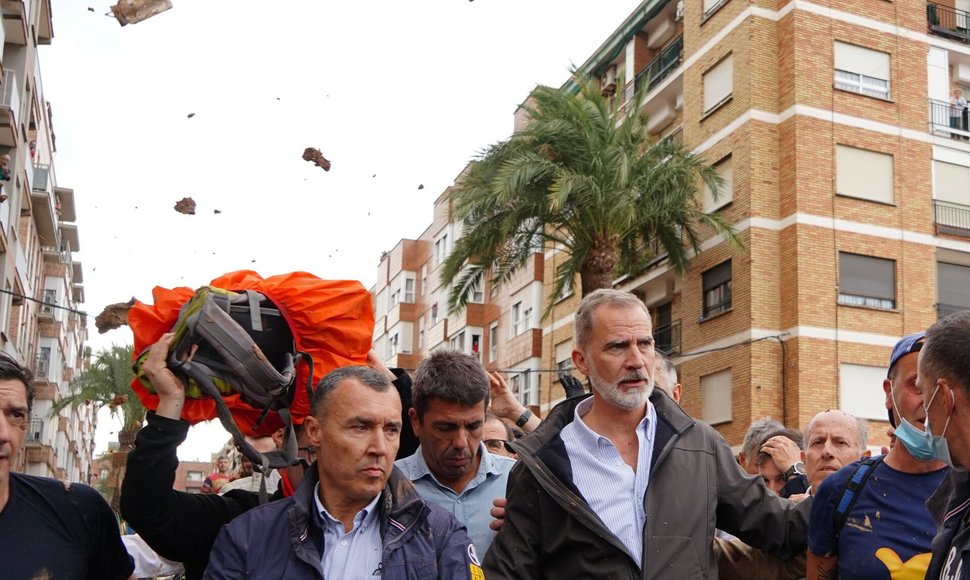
679	15
610	77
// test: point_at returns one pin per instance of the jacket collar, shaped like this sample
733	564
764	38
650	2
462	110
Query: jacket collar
669	415
400	506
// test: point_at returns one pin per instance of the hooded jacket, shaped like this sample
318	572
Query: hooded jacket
284	539
695	485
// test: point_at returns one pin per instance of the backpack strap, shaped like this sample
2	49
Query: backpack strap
853	489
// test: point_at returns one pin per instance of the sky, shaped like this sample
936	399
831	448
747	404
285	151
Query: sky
396	94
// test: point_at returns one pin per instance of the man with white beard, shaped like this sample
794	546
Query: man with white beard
579	503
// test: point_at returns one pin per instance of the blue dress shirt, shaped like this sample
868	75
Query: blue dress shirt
470	507
353	554
611	487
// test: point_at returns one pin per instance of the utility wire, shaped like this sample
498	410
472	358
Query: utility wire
52	305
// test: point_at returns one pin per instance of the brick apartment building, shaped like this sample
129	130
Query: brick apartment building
846	177
41	284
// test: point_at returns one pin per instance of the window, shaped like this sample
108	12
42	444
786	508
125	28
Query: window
567	289
953	288
564	360
864	174
717	289
421	332
189	475
457	342
477	345
393	298
860	391
951	183
493	342
527	319
718	84
716	398
409	290
523	389
710	6
476	295
861	70
440	249
392	346
867	281
434	314
517	320
725	193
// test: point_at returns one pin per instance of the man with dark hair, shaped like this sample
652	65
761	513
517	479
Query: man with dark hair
48	529
452	467
622	483
355	515
943	380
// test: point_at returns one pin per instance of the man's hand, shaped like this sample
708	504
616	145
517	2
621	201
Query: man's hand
498	512
168	387
504	404
375	362
783	451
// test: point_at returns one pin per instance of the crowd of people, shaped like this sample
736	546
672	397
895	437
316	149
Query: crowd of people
446	475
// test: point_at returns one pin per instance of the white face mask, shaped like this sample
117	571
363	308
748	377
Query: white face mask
937	443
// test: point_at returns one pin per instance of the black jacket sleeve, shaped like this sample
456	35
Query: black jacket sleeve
178	525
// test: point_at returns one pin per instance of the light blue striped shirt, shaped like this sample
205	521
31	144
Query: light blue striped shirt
611	488
354	554
470	507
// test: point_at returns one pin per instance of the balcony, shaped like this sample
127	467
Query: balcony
42	367
666	338
15	21
48	306
948	22
35	431
44	205
9	109
947	121
662	65
951	218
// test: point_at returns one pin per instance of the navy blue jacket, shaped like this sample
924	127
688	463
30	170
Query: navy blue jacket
283	539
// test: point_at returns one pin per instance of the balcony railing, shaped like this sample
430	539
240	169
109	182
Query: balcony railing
11	93
948	22
668	60
666	338
36	430
42	366
947	120
947	309
952	218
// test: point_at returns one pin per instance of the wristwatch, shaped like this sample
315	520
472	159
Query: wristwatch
523	418
797	468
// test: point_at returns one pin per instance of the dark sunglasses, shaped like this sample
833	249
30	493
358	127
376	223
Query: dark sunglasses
497	445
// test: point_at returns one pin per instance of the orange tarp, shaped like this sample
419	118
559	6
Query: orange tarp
332	320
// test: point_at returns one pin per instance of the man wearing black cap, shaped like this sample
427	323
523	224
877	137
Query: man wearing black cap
886	530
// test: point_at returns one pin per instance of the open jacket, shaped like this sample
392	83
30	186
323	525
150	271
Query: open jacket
695	485
283	539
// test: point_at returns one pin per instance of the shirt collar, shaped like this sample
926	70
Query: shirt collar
487	466
368	514
592	440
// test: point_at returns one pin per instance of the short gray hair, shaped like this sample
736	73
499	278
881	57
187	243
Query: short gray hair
595	299
451	376
329	383
862	428
756	435
669	371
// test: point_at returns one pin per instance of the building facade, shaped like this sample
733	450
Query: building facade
41	285
845	154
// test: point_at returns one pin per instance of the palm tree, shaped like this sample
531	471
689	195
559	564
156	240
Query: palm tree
584	175
107	383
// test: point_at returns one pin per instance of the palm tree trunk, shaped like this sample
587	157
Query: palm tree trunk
599	268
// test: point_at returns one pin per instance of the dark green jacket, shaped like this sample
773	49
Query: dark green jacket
695	485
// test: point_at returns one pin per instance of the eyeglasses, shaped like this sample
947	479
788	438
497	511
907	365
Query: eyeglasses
311	452
496	444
